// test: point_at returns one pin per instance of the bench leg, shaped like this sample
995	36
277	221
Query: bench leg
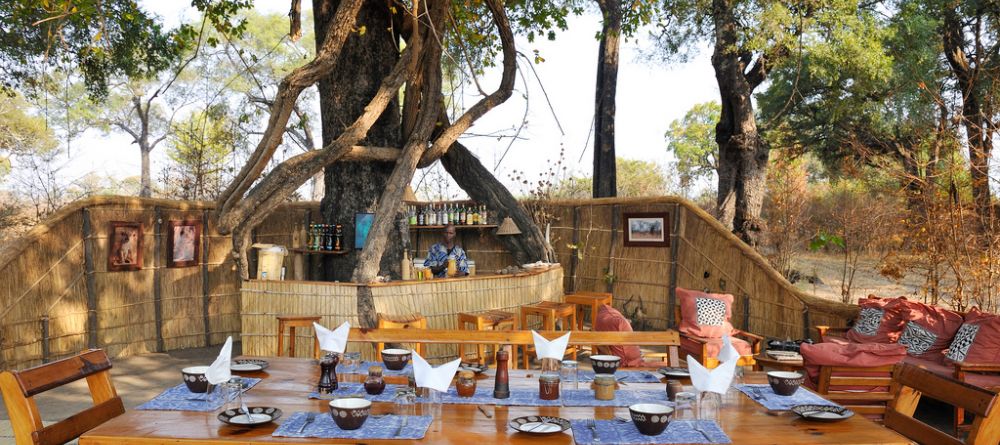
291	341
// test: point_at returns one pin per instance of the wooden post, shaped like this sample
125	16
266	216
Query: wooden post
204	275
805	322
675	242
88	267
158	275
576	253
746	312
45	339
616	214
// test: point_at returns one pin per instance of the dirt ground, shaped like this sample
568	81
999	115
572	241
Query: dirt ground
867	280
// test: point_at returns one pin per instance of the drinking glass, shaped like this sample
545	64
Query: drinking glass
569	374
352	360
709	405
686	406
405	402
232	393
733	395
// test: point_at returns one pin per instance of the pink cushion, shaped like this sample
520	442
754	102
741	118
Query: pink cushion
978	340
928	330
881	320
609	319
705	315
852	354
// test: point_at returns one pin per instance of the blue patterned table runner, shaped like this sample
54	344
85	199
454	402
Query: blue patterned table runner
376	427
768	399
179	398
616	432
625	376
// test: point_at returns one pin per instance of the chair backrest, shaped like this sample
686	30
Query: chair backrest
909	382
865	391
411	321
20	387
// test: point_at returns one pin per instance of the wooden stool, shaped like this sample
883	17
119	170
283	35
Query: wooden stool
593	300
550	311
292	322
493	319
411	321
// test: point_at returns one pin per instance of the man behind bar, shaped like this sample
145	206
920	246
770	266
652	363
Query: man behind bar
438	254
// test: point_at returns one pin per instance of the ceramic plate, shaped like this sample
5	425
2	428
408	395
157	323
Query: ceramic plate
539	424
674	372
474	367
259	415
823	413
247	365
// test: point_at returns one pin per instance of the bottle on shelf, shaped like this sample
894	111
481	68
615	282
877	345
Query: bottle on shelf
433	216
483	216
461	216
413	215
420	217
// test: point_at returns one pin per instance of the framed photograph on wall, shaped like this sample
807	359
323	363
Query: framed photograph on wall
183	243
124	246
647	229
362	224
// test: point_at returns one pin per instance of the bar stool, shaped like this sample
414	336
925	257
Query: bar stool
410	321
550	311
593	300
292	322
492	319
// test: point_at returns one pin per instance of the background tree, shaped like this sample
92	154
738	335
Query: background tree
200	146
636	178
692	141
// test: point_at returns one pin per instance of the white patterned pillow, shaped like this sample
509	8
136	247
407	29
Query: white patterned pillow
917	339
964	338
711	312
869	321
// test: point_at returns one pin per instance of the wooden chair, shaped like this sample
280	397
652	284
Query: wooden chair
291	322
19	389
842	384
492	319
592	300
550	312
411	321
910	382
697	347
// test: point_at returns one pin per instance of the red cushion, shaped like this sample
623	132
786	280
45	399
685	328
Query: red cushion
881	320
609	319
705	315
978	340
928	330
852	354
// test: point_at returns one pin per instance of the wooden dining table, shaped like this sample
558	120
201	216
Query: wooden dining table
287	382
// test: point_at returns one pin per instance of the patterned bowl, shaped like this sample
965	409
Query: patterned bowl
650	418
350	413
605	364
784	383
395	359
194	378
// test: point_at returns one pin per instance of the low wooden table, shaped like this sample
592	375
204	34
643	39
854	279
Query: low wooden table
765	361
288	381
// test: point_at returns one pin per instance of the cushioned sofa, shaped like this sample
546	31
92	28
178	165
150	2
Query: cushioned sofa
855	360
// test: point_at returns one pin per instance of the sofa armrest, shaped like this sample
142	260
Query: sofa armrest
754	339
826	330
976	367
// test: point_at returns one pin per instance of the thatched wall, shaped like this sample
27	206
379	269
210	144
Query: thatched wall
57	296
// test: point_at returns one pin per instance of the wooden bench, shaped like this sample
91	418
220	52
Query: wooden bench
19	389
669	339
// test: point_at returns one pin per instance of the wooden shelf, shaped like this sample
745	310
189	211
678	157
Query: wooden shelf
468	226
319	252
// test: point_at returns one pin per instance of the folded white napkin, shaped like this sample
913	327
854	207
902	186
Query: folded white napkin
438	378
716	380
219	372
335	340
550	349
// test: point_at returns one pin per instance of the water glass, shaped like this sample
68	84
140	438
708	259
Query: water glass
686	406
351	362
431	405
405	402
232	393
709	406
569	374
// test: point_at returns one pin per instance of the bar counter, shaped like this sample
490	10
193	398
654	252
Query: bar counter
439	300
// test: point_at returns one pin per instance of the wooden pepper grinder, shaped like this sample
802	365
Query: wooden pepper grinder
328	373
501	388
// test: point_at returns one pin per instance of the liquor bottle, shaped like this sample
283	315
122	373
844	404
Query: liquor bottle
328	231
420	218
338	237
483	215
433	216
475	215
451	214
309	236
461	216
442	215
413	216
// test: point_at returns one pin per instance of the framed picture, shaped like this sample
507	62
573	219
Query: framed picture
183	243
362	224
124	246
647	229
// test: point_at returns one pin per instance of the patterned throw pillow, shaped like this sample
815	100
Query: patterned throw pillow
917	339
869	321
711	312
959	348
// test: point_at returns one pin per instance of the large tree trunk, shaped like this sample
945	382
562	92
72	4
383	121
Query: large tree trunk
145	181
743	154
481	186
355	187
605	173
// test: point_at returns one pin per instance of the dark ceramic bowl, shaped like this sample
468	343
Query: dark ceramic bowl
395	359
195	379
650	418
784	383
605	364
350	413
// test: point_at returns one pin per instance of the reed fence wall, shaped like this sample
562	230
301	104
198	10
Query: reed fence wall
57	296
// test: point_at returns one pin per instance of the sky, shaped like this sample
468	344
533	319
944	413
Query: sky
650	96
